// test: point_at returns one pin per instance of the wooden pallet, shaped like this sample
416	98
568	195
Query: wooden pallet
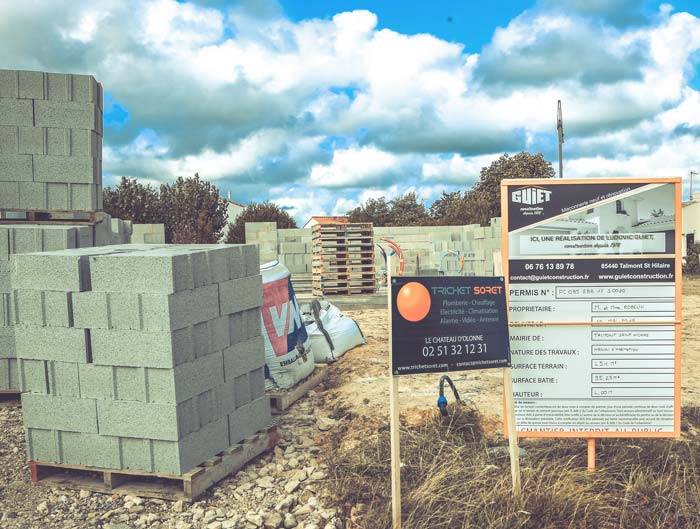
48	216
10	398
342	291
187	487
281	399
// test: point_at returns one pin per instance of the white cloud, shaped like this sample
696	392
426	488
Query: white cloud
354	167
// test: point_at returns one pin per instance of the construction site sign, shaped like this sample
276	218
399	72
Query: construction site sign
444	324
593	271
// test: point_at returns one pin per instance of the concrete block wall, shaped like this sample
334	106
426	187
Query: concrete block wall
147	233
264	235
20	239
145	357
50	141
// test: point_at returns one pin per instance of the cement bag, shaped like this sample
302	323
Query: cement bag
331	333
287	350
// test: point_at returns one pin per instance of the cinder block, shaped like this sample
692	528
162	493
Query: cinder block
96	382
185	381
31	85
157	270
129	383
256	380
9	376
86	90
9	84
91	310
57	196
9	141
243	358
237	267
89	449
57	86
17	112
124	310
253	323
58	141
251	257
42	445
219	264
70	169
5	274
51	343
7	316
59	413
66	114
141	349
192	450
167	422
241	294
84	197
7	342
31	140
32	195
136	454
241	388
16	168
249	419
63	379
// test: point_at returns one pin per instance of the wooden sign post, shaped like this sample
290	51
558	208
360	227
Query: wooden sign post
445	324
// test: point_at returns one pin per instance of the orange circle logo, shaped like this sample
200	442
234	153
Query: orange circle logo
413	301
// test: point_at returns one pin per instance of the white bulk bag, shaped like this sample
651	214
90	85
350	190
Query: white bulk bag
335	335
287	349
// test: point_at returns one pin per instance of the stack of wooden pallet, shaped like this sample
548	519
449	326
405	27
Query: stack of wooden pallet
343	259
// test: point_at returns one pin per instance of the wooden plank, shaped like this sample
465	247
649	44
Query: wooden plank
280	400
10	398
188	486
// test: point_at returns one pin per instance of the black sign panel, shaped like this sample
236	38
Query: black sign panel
534	203
444	324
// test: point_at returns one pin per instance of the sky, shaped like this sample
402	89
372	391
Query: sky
318	105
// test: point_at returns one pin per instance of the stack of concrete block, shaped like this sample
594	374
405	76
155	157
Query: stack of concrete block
147	233
50	141
140	357
19	239
264	235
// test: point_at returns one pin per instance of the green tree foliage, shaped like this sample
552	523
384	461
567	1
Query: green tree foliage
692	260
193	211
475	206
375	210
190	208
263	212
131	200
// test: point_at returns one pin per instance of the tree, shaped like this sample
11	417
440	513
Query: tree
193	211
375	210
407	210
692	259
485	196
445	210
263	212
131	200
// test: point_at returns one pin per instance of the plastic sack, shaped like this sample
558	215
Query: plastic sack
288	356
331	334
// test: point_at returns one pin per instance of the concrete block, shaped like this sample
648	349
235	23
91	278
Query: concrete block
32	195
83	196
256	381
9	141
192	450
50	271
252	259
96	382
57	196
243	358
200	269
16	168
253	323
219	263
9	376
86	90
219	337
241	294
7	342
91	310
89	449
241	388
167	422
136	454
141	349
57	86
83	142
66	114
124	310
7	315
63	379
31	140
51	343
154	238
237	267
9	84
238	327
157	270
194	378
5	275
17	112
181	309
58	142
59	413
249	419
129	383
70	169
42	445
31	85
